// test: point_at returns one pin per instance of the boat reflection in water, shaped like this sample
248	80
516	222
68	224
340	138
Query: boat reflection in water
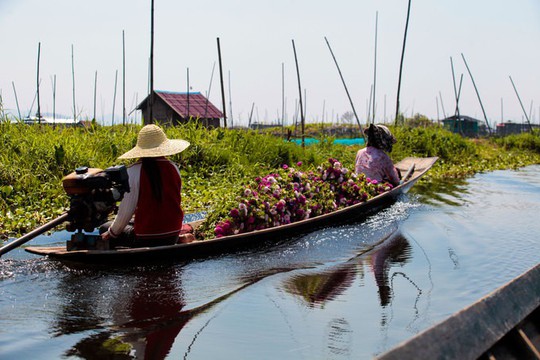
316	289
145	308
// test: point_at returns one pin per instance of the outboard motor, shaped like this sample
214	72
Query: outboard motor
94	194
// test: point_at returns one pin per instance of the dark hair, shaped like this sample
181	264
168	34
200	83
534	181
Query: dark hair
151	169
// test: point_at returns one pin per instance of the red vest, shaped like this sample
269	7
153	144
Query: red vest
155	219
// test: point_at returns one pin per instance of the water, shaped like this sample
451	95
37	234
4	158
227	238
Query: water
352	291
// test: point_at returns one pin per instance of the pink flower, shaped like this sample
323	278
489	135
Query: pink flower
218	231
299	163
285	166
234	213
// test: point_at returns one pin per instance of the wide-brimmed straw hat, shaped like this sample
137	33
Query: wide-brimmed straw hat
152	142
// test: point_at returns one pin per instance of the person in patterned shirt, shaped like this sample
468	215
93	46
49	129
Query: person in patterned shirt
373	160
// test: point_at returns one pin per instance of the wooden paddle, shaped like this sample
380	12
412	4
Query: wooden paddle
407	174
32	234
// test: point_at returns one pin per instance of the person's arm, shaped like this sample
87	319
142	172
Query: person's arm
127	206
391	172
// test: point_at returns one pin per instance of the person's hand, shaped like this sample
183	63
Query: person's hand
106	235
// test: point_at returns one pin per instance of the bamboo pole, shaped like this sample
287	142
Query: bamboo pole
520	103
73	82
300	95
16	100
250	115
401	61
37	82
375	68
123	79
222	85
442	105
54	99
346	89
95	93
150	119
114	96
230	101
209	89
502	111
188	115
282	97
456	97
477	94
368	115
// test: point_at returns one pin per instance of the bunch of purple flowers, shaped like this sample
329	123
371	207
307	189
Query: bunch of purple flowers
289	195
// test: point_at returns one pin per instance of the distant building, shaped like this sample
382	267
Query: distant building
509	127
465	125
173	108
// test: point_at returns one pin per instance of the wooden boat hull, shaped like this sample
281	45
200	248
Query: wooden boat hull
233	243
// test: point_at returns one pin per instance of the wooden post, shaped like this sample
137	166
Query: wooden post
222	86
401	62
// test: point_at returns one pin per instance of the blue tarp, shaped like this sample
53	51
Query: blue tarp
309	141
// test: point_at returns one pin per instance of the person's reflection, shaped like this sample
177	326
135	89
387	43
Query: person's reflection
319	288
155	312
143	311
392	252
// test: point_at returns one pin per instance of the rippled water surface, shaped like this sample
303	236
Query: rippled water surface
352	291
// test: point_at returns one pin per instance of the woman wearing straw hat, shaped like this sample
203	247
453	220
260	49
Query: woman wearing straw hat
154	197
373	160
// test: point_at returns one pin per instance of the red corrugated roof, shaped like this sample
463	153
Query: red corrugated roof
199	106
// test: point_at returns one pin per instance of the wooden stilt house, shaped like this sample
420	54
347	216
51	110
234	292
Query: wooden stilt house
173	108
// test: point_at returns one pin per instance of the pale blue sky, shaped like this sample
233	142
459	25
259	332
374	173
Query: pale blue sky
498	38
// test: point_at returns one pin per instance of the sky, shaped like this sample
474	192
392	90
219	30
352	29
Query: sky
498	39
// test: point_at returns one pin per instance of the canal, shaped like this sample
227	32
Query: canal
348	292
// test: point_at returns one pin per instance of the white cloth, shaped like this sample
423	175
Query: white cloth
127	206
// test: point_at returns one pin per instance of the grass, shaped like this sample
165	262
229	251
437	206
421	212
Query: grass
33	160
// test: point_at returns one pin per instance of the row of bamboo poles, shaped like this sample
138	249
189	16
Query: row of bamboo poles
300	106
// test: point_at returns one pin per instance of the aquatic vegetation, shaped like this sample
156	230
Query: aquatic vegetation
217	165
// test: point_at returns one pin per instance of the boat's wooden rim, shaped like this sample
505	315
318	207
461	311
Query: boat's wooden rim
475	331
422	165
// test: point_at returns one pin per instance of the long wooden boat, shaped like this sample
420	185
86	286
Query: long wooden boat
413	167
504	324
